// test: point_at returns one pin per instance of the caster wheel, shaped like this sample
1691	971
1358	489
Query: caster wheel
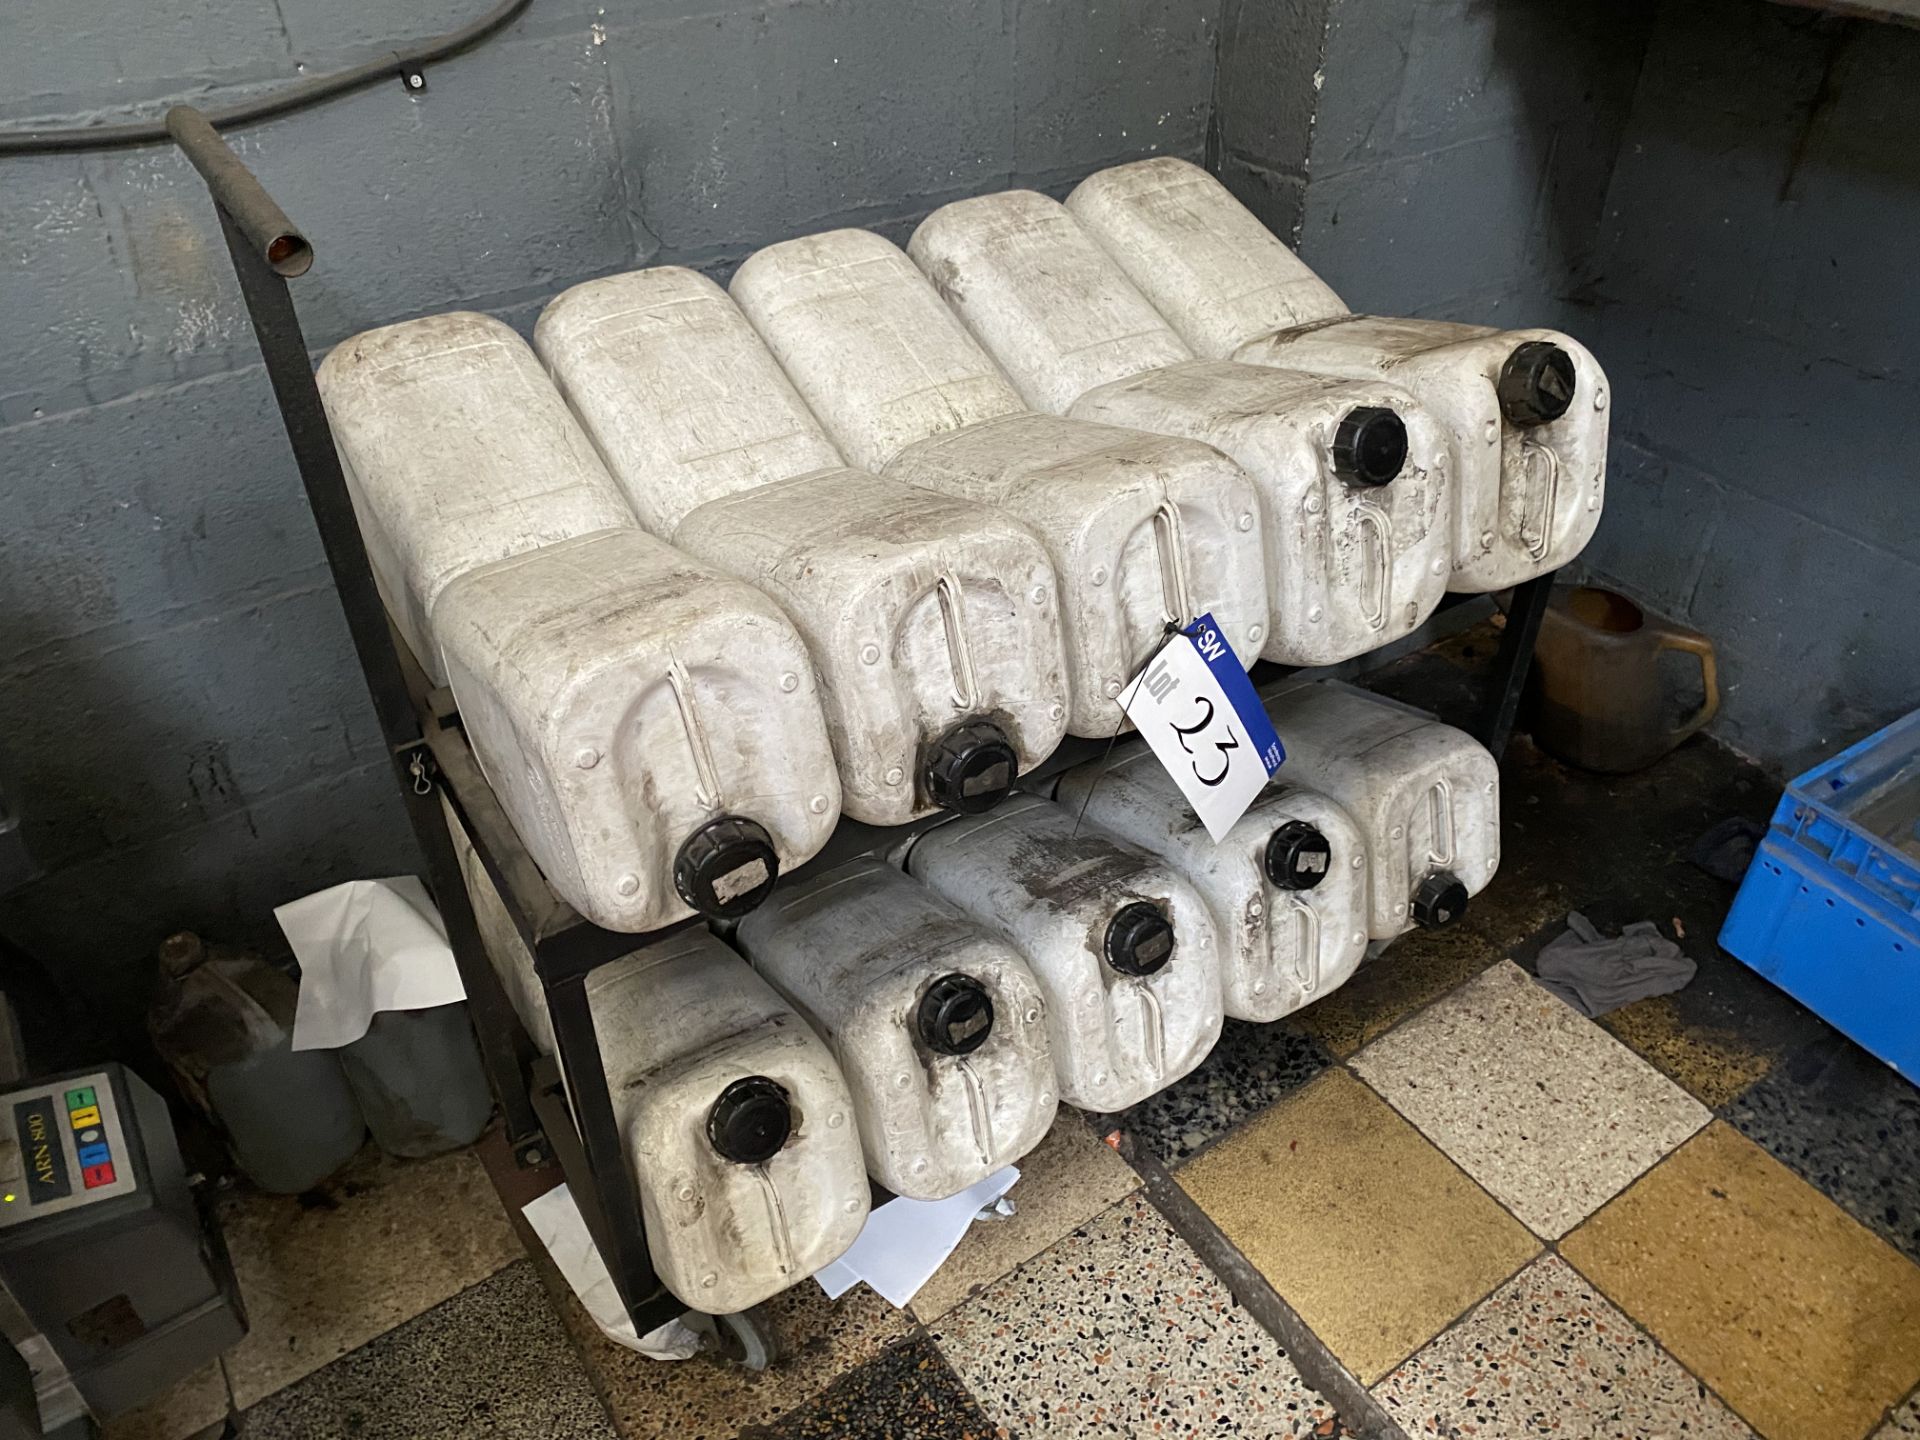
743	1338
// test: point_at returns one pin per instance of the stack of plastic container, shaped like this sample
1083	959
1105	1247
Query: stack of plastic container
875	531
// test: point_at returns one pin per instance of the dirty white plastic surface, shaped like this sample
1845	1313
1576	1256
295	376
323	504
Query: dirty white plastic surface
619	695
1351	567
1022	872
1216	274
1143	530
677	1022
504	948
1527	497
677	391
1425	795
921	611
1281	948
457	452
832	307
1043	298
859	952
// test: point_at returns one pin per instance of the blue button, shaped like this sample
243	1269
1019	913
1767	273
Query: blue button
93	1155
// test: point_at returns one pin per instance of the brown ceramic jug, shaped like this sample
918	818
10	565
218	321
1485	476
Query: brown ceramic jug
1601	699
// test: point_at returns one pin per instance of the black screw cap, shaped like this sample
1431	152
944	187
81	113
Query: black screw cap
1440	900
1298	856
956	1015
970	768
1536	383
726	867
750	1121
1139	939
1370	446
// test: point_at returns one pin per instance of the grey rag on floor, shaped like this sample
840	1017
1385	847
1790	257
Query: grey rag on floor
1595	974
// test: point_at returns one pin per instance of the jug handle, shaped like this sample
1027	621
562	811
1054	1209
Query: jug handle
1701	649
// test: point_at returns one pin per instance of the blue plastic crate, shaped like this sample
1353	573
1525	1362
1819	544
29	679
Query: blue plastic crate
1830	908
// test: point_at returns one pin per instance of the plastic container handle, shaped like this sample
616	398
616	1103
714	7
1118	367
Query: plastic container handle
1701	649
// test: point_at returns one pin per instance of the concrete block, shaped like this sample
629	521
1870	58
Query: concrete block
130	517
325	33
97	923
65	305
1405	76
1268	87
1277	197
116	743
1661	519
1392	236
1840	282
503	177
1810	623
746	128
60	58
1096	84
1817	437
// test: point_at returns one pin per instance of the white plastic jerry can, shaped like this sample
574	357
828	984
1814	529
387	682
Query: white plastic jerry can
1288	885
651	727
847	316
1210	268
1143	530
1352	474
677	392
938	1025
629	705
1425	795
1123	948
1525	410
934	623
457	452
739	1127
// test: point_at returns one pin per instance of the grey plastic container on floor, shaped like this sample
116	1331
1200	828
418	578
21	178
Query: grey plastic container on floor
223	1023
418	1080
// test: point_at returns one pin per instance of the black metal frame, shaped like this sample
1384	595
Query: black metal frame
573	1121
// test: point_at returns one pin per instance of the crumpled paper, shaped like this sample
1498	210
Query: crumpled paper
905	1241
364	947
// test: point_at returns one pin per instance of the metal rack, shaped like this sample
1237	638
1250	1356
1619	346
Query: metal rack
431	757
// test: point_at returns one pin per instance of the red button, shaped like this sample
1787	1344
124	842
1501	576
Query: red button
94	1176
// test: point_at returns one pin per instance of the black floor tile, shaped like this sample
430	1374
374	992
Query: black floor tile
1851	1126
1251	1068
909	1393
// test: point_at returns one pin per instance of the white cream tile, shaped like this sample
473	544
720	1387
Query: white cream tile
1545	1354
1540	1105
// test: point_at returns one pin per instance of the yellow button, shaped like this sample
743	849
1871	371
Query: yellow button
80	1119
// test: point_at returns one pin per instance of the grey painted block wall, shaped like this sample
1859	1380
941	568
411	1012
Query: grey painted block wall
1756	301
1430	157
185	726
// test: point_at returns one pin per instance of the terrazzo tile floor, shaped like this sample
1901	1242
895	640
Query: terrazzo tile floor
1121	1329
1473	1212
1545	1354
1540	1105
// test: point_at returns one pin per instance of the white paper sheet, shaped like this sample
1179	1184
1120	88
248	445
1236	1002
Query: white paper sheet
905	1241
364	947
556	1219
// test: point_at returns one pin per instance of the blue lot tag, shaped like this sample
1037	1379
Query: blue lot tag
1195	706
